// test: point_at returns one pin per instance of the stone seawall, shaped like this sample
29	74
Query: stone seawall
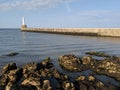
111	32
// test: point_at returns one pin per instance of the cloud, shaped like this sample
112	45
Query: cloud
29	4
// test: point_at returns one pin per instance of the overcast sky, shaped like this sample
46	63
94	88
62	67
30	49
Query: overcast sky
60	13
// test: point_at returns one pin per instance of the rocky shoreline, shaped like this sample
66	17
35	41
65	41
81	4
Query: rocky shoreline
44	76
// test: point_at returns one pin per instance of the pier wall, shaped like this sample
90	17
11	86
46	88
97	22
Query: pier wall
113	32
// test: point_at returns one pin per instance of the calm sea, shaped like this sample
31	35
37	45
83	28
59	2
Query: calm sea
37	46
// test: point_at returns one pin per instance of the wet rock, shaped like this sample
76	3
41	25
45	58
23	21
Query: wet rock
91	83
30	70
4	80
46	85
100	84
11	77
56	74
45	72
47	63
15	75
8	67
10	86
32	81
86	60
31	74
27	87
43	76
70	62
12	54
91	78
82	86
108	67
80	78
30	66
68	85
91	88
100	54
59	75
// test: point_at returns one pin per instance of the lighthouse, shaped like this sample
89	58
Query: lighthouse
23	23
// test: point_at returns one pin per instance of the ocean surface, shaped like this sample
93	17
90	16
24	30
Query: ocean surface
34	47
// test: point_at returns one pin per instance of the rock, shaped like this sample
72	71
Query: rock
68	85
11	77
12	54
59	75
108	67
31	74
56	74
86	60
100	54
91	84
91	78
43	76
64	77
31	70
4	80
8	67
45	72
80	78
47	63
46	85
82	86
32	82
70	62
15	75
10	86
30	66
91	88
99	84
28	87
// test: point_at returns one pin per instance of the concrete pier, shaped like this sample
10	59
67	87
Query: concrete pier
108	32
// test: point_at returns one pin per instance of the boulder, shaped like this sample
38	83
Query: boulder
100	84
82	86
46	85
100	54
30	66
80	78
59	75
91	78
10	86
87	60
68	85
8	67
12	54
32	81
46	63
70	62
4	80
108	67
15	75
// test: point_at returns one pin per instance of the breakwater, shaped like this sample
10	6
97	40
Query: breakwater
110	32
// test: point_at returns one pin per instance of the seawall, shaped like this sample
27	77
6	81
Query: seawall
110	32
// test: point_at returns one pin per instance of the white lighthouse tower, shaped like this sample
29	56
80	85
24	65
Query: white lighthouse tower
23	23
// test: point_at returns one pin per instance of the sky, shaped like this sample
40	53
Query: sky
60	13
